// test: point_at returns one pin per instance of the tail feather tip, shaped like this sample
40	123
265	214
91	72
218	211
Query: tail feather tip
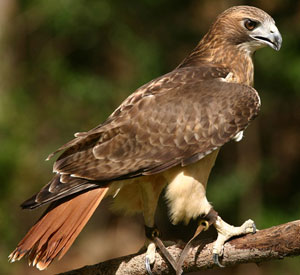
14	256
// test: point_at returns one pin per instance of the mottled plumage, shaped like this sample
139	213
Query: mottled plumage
167	132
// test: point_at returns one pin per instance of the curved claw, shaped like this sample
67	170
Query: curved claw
148	265
254	228
216	260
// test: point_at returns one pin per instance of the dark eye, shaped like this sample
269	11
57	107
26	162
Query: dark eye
250	24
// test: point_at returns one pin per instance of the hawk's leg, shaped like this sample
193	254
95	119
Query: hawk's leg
225	232
150	194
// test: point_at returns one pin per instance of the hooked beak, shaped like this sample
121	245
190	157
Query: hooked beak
271	37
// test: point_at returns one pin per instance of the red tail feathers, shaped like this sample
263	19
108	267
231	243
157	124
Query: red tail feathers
57	229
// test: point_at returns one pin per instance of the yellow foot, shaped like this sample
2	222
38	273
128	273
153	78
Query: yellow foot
225	232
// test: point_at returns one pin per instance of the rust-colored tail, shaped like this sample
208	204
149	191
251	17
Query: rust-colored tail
57	229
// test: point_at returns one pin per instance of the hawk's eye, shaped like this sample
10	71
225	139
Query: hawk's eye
250	24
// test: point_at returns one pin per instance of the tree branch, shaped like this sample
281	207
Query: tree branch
273	243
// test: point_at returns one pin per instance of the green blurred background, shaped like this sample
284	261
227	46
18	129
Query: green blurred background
66	65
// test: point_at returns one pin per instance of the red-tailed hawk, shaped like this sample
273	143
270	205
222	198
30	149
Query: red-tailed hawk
166	134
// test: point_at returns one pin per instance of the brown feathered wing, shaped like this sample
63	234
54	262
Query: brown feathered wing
178	118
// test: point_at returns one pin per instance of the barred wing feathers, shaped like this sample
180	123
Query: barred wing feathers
172	120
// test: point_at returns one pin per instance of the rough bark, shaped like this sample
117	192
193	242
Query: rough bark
273	243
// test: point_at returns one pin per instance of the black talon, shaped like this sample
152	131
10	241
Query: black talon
216	260
148	266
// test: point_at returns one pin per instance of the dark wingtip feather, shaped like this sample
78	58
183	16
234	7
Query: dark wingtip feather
30	203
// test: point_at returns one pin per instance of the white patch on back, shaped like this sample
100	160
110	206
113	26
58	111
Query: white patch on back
238	137
228	78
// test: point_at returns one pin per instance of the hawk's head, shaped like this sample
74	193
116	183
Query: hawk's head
247	27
